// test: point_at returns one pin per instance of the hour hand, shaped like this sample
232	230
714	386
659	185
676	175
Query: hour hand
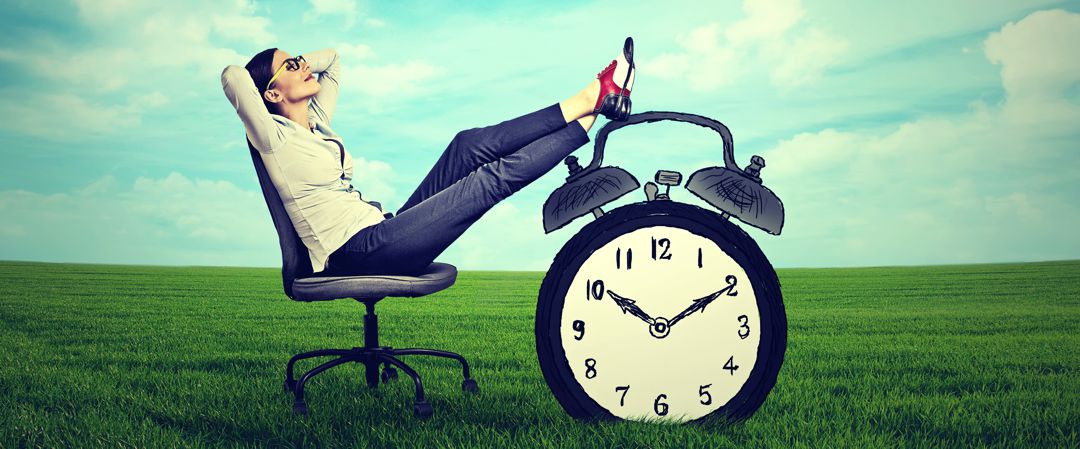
627	305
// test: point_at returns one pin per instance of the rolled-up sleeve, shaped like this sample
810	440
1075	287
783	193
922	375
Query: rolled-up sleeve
326	64
263	132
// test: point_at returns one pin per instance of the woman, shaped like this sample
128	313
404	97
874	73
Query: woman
287	111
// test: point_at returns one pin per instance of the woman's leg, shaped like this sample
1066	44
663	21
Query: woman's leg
410	241
475	147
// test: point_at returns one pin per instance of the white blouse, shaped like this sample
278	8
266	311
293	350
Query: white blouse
311	169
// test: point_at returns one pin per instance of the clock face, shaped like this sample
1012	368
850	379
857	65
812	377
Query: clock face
660	324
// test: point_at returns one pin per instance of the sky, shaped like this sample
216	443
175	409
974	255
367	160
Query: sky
895	133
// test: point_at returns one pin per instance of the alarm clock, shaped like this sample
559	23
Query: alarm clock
661	310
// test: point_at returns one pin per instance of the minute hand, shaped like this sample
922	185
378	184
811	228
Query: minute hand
627	305
698	304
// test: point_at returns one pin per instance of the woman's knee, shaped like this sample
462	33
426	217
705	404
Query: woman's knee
465	136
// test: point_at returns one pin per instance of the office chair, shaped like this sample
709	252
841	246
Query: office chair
301	284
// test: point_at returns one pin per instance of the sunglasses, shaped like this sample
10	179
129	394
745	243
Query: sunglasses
293	64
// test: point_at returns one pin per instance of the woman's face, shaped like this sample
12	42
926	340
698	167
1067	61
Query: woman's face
291	86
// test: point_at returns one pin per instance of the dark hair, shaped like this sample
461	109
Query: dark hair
261	68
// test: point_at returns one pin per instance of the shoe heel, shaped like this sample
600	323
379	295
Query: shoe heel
616	107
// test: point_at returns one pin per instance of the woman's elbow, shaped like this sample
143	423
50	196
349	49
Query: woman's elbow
232	73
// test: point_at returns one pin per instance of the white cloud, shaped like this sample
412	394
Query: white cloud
378	82
766	20
704	63
505	238
134	50
944	189
168	220
765	37
175	36
346	9
243	28
98	70
173	220
392	80
1038	66
1028	73
1016	206
151	100
373	178
351	53
65	116
807	58
104	11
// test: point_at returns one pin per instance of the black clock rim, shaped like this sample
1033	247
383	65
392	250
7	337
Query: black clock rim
730	237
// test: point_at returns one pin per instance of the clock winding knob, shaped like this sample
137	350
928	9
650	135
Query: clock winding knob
572	165
754	169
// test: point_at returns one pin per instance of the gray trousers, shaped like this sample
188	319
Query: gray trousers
479	168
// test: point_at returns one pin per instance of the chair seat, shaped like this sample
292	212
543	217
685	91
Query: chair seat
438	276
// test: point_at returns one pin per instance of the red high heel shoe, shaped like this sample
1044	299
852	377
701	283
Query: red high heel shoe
616	80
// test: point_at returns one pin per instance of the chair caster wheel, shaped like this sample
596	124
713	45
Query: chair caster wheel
389	374
300	409
422	410
290	385
469	385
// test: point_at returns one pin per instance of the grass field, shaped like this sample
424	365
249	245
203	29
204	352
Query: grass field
126	356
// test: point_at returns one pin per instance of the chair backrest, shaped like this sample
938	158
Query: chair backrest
294	255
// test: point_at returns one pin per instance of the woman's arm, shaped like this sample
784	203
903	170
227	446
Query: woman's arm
263	132
325	63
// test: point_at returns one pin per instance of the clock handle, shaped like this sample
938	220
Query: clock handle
656	116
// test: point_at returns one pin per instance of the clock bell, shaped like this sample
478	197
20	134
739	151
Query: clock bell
735	191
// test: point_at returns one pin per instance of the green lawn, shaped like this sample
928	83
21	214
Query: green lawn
938	356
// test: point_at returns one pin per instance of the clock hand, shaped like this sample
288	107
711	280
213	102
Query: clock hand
700	303
627	305
697	304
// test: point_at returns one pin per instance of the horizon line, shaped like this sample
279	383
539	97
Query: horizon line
542	271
